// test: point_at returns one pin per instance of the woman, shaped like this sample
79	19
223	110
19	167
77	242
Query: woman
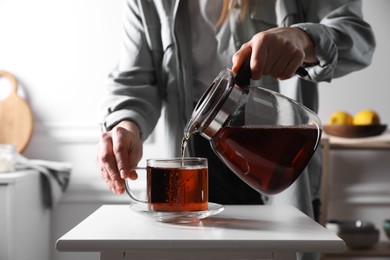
172	50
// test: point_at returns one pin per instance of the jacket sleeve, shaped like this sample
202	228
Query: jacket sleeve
343	41
132	92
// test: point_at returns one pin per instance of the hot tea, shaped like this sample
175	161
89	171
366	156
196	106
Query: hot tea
173	185
177	188
268	158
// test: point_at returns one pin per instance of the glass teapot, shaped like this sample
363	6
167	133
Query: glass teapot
265	138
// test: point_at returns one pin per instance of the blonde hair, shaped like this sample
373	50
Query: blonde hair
227	6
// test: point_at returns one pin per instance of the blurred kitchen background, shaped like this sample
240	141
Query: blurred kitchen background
61	53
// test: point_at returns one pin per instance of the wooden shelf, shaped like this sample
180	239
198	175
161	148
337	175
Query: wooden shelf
381	142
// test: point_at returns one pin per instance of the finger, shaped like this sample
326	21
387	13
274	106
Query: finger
106	161
122	150
240	57
289	71
106	177
291	66
119	185
110	184
106	156
271	59
259	56
278	69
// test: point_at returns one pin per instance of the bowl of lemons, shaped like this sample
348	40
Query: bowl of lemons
365	123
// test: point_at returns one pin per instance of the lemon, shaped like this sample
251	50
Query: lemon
366	117
340	118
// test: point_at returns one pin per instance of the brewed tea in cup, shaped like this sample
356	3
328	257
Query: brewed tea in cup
174	185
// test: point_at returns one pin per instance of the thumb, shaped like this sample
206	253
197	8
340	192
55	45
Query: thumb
240	57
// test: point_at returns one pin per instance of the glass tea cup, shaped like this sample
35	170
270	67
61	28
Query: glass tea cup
173	185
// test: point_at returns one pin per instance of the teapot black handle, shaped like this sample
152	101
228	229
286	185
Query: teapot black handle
244	74
301	72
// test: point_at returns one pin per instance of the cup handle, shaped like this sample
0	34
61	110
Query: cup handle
128	189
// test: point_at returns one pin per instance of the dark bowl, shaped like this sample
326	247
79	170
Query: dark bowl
354	131
350	226
356	234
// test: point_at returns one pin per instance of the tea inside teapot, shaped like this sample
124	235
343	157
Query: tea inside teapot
268	158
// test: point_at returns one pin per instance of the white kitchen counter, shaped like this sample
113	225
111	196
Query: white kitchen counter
251	232
24	219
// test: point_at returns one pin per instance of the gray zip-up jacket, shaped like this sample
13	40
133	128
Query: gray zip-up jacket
155	70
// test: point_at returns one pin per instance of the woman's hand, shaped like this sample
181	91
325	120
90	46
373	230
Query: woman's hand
278	52
119	151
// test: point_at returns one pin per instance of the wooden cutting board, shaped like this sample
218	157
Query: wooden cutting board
16	119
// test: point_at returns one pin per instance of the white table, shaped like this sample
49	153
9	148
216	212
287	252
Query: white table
239	232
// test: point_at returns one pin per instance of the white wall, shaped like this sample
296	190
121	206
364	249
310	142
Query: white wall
370	87
61	52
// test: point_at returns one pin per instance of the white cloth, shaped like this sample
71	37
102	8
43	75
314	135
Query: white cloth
55	177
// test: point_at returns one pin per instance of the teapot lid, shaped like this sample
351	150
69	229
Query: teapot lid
210	103
217	103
